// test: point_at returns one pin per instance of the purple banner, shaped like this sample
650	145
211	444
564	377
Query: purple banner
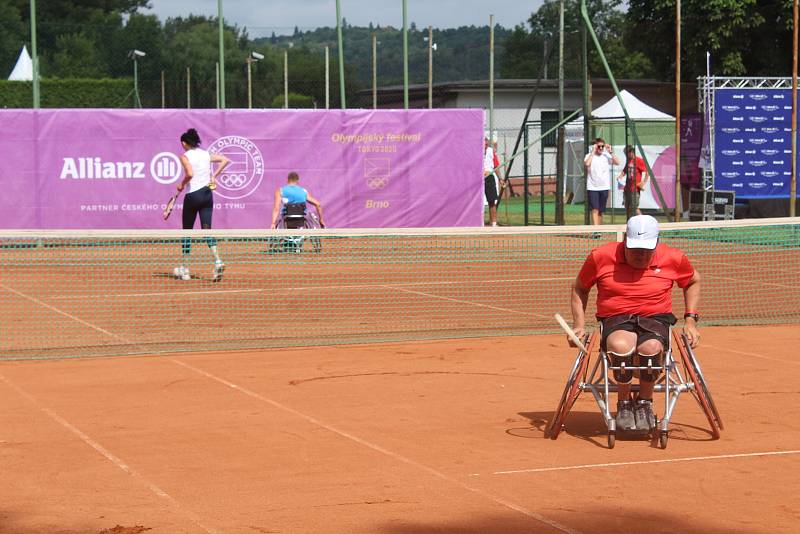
116	169
691	145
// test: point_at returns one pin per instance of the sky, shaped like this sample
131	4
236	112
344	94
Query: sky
262	17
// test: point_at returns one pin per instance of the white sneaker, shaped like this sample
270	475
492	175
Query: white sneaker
219	268
182	273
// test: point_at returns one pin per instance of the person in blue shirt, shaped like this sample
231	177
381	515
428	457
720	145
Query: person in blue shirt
290	195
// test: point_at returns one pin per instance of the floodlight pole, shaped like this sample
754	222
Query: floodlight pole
188	88
136	100
249	62
793	186
491	78
430	67
221	55
677	110
163	92
341	52
35	58
285	79
405	54
561	60
327	78
374	71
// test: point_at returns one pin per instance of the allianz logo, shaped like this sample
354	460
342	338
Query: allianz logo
738	97
730	108
737	163
737	141
738	119
770	108
758	119
750	152
758	163
751	107
730	152
729	174
777	162
750	130
737	184
165	168
749	174
95	168
777	184
731	130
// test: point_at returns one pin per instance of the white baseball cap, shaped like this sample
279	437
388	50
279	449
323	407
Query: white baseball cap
642	232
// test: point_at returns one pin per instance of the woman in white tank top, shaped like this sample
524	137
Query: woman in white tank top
199	199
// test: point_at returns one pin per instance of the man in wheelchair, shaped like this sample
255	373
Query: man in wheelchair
290	207
634	307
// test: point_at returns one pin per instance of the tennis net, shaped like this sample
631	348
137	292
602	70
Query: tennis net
100	293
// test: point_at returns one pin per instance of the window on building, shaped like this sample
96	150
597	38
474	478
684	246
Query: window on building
549	120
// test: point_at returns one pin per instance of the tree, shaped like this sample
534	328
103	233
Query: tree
77	57
745	37
525	51
13	35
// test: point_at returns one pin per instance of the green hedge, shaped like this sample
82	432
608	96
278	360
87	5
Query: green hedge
69	93
295	101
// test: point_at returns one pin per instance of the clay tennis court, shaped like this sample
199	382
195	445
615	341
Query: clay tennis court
436	436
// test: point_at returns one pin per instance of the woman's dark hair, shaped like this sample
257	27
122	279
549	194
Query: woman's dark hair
191	138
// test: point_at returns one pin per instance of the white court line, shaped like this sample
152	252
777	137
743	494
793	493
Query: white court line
464	301
644	462
65	314
375	447
304	288
108	455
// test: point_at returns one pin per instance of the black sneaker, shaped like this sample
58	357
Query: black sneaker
625	418
643	413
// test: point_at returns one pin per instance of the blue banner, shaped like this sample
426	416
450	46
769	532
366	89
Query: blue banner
752	142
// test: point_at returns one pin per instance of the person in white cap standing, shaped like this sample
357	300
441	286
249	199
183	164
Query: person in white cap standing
634	305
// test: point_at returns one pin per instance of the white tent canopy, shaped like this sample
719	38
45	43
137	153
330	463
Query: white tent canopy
637	109
23	70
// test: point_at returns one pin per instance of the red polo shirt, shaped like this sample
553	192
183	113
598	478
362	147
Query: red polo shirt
623	289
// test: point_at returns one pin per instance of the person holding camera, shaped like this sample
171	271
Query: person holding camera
598	177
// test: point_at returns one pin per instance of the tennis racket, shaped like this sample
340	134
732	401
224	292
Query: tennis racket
170	205
568	330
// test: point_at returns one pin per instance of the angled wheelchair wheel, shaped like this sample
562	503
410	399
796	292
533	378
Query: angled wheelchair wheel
700	390
572	389
702	381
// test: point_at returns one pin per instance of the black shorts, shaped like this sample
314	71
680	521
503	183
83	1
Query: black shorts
598	200
490	190
645	328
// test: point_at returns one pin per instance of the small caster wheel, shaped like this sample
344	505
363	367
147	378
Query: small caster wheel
612	439
662	439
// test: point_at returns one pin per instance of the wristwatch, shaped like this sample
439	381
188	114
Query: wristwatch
694	316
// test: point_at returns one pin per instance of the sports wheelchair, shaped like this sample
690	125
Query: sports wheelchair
677	375
294	217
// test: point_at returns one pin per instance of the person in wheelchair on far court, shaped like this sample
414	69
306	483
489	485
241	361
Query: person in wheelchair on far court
290	204
634	307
